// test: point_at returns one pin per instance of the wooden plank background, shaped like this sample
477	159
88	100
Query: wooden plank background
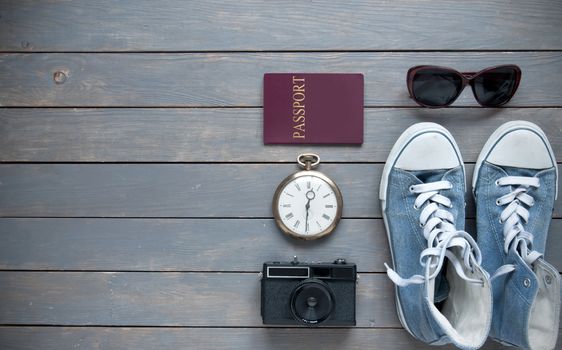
185	135
135	188
280	25
177	190
234	79
190	245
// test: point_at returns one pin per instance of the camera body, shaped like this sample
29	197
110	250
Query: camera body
310	294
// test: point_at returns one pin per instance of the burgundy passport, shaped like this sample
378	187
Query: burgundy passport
312	108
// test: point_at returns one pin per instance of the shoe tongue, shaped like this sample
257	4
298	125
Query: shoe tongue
427	176
441	287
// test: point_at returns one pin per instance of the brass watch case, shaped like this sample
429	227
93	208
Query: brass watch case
275	205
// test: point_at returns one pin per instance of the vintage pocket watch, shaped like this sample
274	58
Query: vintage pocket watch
307	204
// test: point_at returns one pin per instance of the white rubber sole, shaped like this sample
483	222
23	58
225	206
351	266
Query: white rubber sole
499	133
404	139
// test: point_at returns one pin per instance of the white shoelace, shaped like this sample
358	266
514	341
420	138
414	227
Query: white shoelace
513	217
441	234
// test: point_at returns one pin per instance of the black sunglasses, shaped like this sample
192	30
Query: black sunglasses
434	86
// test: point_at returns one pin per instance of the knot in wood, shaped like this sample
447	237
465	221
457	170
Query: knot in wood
59	77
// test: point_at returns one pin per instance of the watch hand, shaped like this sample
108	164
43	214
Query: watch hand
310	196
307	208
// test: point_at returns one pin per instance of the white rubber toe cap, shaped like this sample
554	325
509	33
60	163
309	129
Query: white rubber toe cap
429	150
521	148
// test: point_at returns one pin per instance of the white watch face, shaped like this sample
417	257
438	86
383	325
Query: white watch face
307	205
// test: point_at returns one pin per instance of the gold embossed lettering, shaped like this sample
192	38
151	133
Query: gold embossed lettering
299	108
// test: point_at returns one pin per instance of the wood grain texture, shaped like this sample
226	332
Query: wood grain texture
89	338
193	245
279	25
170	260
176	190
229	135
160	299
235	79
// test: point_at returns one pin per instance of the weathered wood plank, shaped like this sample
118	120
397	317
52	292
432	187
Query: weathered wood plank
160	299
229	135
235	79
167	190
192	245
176	190
288	25
89	338
178	245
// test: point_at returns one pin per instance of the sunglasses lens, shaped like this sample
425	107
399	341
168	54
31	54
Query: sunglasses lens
436	87
495	87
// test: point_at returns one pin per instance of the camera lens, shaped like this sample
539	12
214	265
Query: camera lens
312	302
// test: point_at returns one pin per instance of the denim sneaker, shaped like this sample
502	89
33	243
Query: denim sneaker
443	295
515	186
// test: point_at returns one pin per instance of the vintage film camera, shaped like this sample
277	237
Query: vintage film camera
310	294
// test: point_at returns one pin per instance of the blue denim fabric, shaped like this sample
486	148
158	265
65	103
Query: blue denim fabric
407	243
513	294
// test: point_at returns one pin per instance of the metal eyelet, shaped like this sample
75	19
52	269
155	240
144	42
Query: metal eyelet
412	189
416	207
421	225
497	182
498	202
527	282
501	221
548	279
